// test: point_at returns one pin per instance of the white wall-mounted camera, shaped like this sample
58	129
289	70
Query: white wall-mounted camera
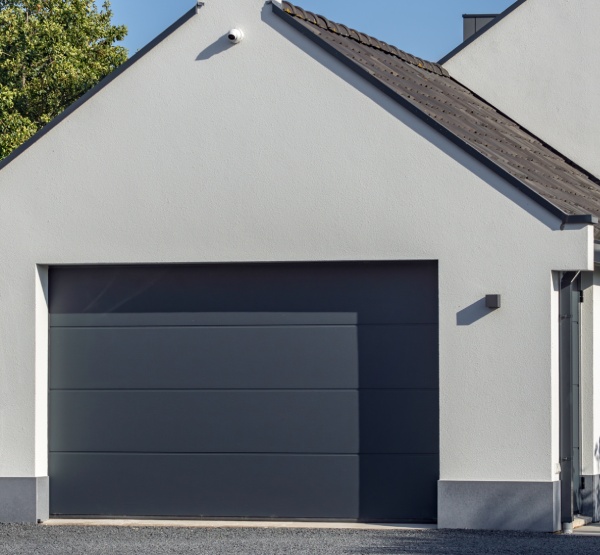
235	35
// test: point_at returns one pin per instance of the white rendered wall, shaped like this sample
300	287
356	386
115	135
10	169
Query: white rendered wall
206	152
539	65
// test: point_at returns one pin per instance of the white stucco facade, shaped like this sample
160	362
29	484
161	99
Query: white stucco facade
544	57
272	150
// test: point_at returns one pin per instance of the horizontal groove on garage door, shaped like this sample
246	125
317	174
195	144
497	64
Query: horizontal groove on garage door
204	319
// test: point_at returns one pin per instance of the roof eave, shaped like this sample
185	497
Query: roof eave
581	219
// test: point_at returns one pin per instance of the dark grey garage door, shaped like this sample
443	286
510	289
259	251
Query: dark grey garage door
245	390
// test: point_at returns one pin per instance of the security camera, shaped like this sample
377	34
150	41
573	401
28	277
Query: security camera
235	36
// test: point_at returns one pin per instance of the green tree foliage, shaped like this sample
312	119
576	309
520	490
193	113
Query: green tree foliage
51	52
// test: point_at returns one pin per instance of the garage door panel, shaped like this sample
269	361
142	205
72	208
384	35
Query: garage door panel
399	421
269	486
398	356
379	292
399	487
204	357
283	390
205	421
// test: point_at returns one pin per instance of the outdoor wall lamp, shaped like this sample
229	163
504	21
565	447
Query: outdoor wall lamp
492	301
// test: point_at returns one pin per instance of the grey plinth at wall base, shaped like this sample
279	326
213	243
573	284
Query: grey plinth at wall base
24	499
590	497
531	506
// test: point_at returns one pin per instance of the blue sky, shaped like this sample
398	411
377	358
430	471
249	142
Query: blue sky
425	28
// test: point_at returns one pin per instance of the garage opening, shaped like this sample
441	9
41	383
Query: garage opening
285	391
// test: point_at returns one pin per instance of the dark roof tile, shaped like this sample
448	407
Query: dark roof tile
475	125
359	37
343	30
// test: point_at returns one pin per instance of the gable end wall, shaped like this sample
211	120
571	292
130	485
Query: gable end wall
271	150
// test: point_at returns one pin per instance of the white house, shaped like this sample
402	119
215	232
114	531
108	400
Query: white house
298	275
544	58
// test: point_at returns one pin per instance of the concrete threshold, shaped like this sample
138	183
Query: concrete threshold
232	524
588	530
579	521
584	526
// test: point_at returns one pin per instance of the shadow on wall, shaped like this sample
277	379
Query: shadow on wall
220	45
472	313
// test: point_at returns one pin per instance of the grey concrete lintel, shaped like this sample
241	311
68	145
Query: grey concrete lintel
24	500
481	505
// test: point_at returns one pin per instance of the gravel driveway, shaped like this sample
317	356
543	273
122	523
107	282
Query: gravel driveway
108	540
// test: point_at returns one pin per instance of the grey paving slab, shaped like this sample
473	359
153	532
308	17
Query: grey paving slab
100	540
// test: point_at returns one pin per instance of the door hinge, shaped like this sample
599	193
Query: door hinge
580	296
582	485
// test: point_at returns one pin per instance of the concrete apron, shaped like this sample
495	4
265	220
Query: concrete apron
232	524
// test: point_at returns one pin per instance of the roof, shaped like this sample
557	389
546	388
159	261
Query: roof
428	91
